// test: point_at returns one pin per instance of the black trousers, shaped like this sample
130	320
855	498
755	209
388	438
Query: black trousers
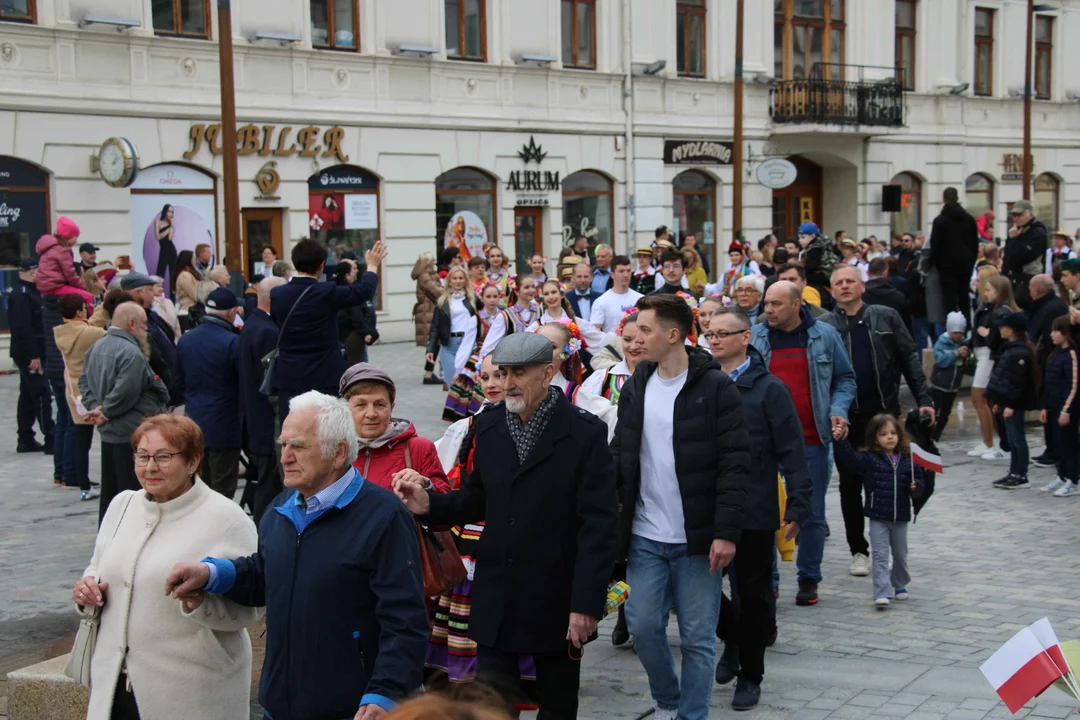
220	470
35	404
955	287
84	440
851	503
263	471
558	677
1066	443
124	707
1003	436
750	622
943	404
117	473
1050	437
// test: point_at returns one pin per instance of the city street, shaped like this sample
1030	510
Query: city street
984	563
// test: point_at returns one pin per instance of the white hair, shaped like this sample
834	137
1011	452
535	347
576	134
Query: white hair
268	284
220	271
158	280
757	281
335	422
203	288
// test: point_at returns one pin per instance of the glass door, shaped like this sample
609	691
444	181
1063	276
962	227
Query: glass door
528	236
262	227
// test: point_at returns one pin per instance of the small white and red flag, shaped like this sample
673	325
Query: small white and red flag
1021	669
926	459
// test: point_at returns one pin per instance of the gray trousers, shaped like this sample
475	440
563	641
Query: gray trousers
886	536
221	470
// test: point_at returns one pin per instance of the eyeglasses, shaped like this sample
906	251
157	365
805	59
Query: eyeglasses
672	266
162	458
723	334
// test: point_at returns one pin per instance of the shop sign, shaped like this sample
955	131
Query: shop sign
268	179
806	210
777	173
697	152
21	175
1012	165
343	197
22	212
533	186
269	140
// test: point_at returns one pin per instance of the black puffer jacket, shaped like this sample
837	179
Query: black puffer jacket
1024	257
954	241
987	316
879	291
888	486
1014	381
712	456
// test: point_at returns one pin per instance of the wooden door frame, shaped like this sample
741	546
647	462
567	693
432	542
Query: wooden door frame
536	212
274	215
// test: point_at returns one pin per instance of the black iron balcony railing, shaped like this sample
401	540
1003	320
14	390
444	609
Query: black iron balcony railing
837	102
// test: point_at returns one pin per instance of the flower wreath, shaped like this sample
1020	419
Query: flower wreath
693	303
576	343
622	323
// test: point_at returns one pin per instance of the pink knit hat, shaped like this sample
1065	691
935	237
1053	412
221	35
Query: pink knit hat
66	229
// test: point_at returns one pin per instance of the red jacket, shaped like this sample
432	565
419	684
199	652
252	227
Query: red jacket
56	266
379	464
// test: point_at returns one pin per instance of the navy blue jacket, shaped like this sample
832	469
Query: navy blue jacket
776	440
572	296
207	362
344	594
1014	381
888	487
257	339
311	357
24	318
1060	391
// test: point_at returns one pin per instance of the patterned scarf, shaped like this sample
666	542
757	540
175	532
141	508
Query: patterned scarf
525	435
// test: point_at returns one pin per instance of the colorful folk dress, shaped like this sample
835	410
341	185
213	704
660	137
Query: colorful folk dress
465	396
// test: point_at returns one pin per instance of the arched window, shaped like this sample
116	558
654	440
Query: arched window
695	211
588	208
465	210
343	213
909	219
24	199
979	189
1046	200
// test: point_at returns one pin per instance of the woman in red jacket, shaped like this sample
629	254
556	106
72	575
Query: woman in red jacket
388	447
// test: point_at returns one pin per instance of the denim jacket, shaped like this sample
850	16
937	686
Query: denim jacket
832	379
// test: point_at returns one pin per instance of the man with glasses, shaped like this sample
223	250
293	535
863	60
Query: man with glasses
120	390
672	278
1025	250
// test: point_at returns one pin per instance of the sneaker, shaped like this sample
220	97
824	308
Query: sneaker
662	714
1044	461
996	454
47	448
860	565
1002	480
1068	490
1015	483
433	380
979	450
807	594
900	594
1053	486
29	446
90	494
772	638
620	635
728	665
881	603
747	695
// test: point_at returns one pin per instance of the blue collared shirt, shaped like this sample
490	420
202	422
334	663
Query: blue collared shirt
734	374
600	279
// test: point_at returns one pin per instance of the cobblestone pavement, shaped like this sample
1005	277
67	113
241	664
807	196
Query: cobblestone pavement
984	563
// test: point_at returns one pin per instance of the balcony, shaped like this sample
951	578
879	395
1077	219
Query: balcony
817	100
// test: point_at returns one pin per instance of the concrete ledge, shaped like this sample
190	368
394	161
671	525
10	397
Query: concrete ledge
44	692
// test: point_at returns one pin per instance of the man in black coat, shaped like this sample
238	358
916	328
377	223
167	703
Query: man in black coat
28	351
257	340
954	247
544	484
1044	308
1025	250
776	446
880	291
684	476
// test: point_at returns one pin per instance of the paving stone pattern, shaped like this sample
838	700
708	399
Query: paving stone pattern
984	563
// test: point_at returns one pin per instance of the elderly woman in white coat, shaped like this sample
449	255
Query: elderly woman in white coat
154	656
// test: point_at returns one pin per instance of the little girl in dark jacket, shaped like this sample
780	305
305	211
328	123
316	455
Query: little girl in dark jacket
1061	408
1014	388
889	478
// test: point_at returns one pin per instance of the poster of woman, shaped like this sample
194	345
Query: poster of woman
326	211
466	232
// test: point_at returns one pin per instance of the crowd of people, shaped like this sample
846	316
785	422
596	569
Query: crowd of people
620	423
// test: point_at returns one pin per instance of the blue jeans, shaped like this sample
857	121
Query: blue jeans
1014	430
63	436
812	535
921	332
447	355
661	574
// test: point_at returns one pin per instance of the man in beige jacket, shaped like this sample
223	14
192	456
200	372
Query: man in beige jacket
73	338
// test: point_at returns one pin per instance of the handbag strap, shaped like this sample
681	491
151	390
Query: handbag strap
281	331
112	537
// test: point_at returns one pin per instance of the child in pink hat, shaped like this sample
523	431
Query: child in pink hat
56	265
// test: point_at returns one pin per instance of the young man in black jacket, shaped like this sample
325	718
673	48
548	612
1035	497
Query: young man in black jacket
954	247
28	352
776	445
684	476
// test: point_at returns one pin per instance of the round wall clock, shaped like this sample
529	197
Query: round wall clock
118	162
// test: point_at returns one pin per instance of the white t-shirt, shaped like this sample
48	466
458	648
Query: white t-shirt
659	512
609	309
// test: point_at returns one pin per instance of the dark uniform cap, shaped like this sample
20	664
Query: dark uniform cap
221	299
523	348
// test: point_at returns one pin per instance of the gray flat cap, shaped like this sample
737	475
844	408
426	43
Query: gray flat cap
523	348
134	280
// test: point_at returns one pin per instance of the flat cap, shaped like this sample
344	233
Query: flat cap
1020	206
366	372
135	280
523	348
220	299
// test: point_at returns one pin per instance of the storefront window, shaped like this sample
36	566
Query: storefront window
1046	200
588	208
695	210
909	219
980	194
24	217
465	210
343	212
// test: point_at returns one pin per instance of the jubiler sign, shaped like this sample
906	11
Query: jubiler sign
269	140
697	152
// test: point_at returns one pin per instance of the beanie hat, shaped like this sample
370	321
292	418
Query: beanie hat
66	229
955	322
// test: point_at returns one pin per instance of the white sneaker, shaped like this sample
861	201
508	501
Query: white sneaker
996	454
901	594
1052	486
979	450
881	603
860	565
661	714
1068	490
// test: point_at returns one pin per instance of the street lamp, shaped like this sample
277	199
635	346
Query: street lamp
1032	9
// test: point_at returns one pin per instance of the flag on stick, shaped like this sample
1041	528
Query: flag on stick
1021	669
926	459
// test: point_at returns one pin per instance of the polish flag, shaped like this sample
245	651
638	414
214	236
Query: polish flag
1021	669
926	459
1046	636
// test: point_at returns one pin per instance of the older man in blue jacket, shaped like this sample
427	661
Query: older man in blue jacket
338	569
310	355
